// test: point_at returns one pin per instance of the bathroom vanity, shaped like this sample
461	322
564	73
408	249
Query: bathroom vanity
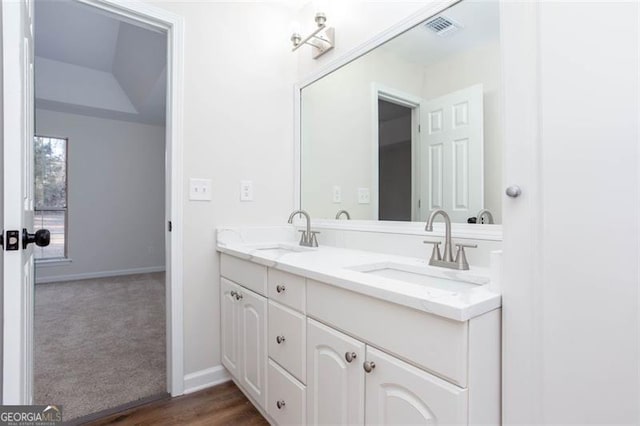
334	335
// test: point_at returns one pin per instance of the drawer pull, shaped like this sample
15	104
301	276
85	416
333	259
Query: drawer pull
350	356
280	404
280	339
280	288
369	366
239	296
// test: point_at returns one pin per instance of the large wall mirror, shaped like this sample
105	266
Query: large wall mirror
411	126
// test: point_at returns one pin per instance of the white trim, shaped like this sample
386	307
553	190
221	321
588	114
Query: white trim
207	378
458	230
101	274
45	263
379	91
523	218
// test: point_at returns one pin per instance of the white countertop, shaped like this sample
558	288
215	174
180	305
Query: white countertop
329	265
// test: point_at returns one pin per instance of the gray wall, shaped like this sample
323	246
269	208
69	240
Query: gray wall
115	195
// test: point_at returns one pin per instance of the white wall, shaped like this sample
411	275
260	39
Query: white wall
115	195
590	203
238	119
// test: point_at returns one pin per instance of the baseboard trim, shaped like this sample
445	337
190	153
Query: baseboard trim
207	378
101	274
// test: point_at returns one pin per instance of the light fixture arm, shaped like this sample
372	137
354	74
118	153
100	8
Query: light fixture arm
322	39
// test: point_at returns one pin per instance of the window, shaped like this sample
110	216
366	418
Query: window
50	163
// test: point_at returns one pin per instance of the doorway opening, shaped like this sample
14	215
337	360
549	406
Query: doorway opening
100	187
396	149
394	161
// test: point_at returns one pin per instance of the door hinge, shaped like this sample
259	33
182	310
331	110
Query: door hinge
169	226
2	239
419	203
419	128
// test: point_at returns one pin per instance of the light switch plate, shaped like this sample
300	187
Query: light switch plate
364	196
200	189
337	194
246	190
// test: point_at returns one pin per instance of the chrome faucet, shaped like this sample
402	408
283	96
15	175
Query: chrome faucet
460	262
308	237
482	213
343	212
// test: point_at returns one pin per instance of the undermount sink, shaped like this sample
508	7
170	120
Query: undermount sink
423	275
279	249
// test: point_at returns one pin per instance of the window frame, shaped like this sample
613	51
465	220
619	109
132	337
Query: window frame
65	257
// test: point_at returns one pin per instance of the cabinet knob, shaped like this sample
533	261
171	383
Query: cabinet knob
233	293
513	191
350	356
280	339
280	288
280	404
239	296
369	366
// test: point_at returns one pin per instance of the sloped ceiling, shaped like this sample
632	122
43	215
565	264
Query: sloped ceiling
89	62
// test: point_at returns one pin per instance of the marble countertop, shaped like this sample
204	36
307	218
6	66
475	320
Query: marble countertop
336	266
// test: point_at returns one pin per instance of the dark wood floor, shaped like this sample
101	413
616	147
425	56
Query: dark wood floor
221	405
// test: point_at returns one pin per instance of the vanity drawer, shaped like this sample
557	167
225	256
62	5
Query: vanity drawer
287	339
434	343
286	397
288	289
245	273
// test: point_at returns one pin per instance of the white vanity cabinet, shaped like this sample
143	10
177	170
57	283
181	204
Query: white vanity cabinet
398	393
243	337
307	352
335	378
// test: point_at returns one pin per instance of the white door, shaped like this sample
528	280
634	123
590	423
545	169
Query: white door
229	325
253	350
451	154
399	394
335	378
17	137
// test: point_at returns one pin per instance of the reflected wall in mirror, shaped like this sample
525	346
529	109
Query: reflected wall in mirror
413	125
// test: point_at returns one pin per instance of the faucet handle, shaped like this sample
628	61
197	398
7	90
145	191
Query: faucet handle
304	238
313	240
461	257
435	254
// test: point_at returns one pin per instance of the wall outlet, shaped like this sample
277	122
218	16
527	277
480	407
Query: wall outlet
246	190
364	196
200	189
337	194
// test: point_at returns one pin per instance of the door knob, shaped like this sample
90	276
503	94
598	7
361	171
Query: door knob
280	339
513	191
280	404
42	237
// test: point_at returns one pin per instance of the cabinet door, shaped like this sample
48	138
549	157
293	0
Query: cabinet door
335	378
399	393
253	351
229	326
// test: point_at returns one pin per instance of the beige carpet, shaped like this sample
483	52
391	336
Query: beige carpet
99	343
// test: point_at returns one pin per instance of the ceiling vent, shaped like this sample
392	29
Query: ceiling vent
443	26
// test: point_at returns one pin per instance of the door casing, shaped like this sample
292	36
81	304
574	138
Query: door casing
174	26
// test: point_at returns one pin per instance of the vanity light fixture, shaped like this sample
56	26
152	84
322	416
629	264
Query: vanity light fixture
321	40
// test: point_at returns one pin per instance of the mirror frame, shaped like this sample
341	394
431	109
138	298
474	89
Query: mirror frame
459	230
